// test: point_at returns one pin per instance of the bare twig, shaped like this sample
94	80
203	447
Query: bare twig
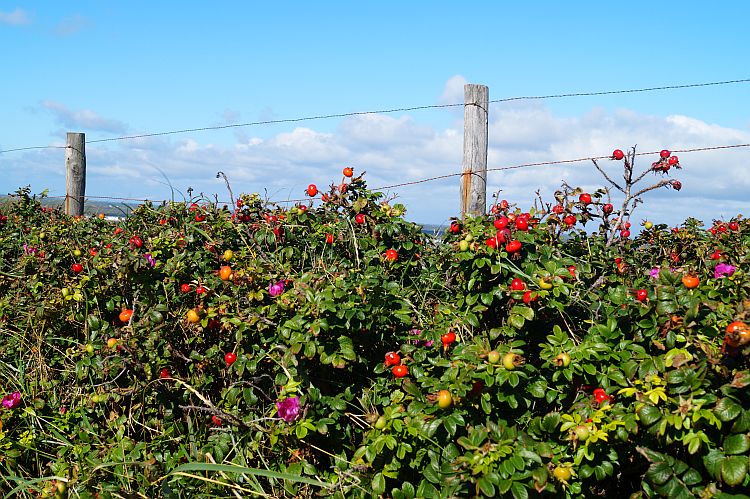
615	184
229	188
657	185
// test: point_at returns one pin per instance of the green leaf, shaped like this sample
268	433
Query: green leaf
691	477
540	475
736	444
408	489
346	348
727	409
504	486
649	415
741	379
659	473
742	423
378	484
516	321
431	474
412	389
519	491
550	422
450	423
734	469
538	389
525	312
666	307
486	487
712	461
426	489
676	377
471	319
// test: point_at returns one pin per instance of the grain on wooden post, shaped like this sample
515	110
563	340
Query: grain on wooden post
474	178
75	173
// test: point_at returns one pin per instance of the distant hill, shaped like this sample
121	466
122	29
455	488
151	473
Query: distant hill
90	207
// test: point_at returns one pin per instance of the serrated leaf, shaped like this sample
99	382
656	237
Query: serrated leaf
426	489
516	321
736	444
525	312
412	389
378	484
519	491
733	470
659	473
431	474
617	377
651	455
676	377
741	379
538	389
550	422
742	423
486	487
540	476
727	409
408	490
450	423
529	455
691	477
712	461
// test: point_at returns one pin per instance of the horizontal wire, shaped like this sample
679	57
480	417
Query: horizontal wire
384	111
558	162
627	91
32	147
450	175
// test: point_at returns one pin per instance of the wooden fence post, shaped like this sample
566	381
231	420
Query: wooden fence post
75	173
474	178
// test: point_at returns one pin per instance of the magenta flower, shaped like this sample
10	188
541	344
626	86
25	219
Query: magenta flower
288	408
150	259
723	270
418	332
12	400
276	289
29	250
656	270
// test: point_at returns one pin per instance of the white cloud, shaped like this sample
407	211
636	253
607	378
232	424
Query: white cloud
453	91
18	17
72	25
83	118
401	149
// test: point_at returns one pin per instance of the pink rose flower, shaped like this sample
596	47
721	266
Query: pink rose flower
288	408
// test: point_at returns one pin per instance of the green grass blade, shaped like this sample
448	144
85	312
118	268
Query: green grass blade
228	468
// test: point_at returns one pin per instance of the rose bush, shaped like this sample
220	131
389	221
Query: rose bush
332	348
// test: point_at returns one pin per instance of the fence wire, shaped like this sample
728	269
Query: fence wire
448	175
386	111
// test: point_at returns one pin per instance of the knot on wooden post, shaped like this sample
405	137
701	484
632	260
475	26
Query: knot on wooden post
75	173
474	192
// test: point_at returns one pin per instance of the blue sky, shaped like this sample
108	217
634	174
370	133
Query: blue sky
110	69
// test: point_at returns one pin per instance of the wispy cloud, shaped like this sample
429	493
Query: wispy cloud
82	118
18	17
453	91
395	150
72	25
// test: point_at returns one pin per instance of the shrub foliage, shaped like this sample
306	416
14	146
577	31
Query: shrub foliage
575	363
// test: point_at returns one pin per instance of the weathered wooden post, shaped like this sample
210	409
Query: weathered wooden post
75	173
474	178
